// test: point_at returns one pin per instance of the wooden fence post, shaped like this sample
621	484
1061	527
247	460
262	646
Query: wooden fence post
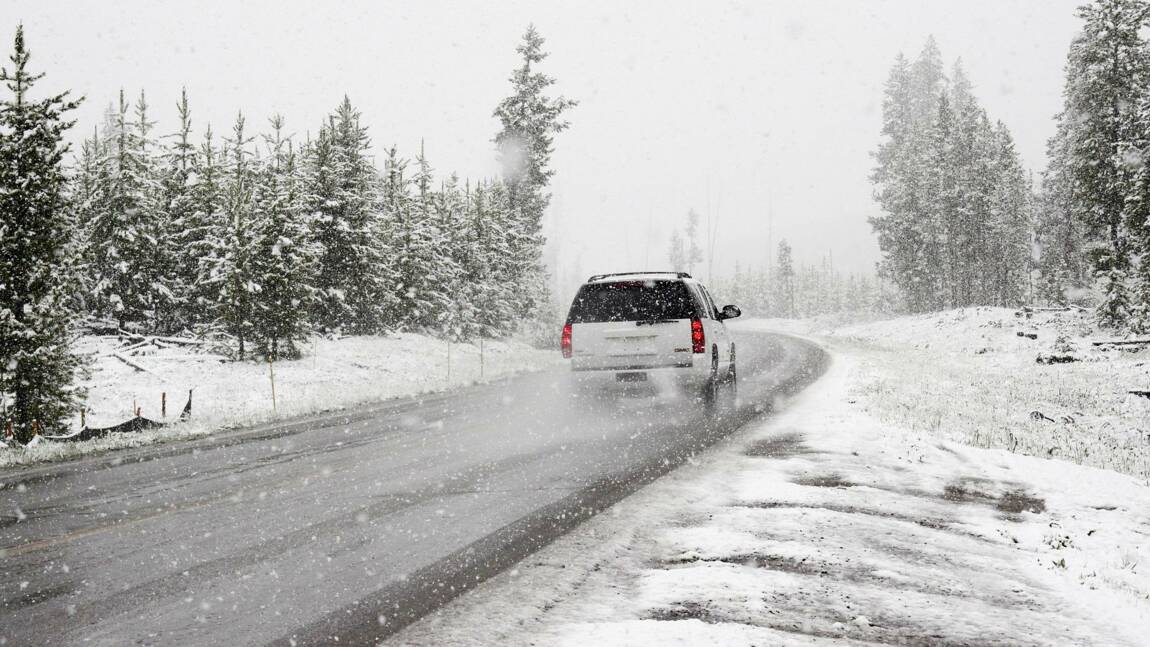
163	404
272	375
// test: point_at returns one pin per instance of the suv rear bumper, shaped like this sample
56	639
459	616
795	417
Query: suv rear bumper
686	375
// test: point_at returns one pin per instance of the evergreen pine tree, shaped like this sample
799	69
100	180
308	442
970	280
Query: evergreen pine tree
84	196
125	232
677	252
451	252
424	261
785	281
204	240
907	228
37	364
693	254
1107	71
341	200
1011	224
230	265
182	231
1060	234
529	120
282	256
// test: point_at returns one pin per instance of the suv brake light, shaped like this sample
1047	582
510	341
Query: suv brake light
565	341
698	341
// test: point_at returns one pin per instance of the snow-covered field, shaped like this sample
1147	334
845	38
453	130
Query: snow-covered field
332	374
838	522
967	375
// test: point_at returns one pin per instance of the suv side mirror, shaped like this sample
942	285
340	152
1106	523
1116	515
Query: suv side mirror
730	312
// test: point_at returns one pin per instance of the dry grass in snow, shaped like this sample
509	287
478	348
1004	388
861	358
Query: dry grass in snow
967	375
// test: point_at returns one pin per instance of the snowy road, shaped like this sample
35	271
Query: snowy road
352	529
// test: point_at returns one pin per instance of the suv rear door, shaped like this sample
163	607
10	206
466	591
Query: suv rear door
631	325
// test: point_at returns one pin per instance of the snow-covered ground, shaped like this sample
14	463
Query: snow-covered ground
834	523
331	375
967	375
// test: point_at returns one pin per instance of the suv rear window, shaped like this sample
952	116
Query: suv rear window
632	301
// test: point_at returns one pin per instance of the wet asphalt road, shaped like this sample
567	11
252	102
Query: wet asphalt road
348	525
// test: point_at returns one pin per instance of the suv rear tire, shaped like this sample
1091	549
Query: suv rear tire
713	385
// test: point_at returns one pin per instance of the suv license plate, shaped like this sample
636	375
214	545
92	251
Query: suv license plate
631	377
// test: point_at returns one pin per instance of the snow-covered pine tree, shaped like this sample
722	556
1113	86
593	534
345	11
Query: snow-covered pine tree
37	364
411	250
737	290
693	253
501	300
206	240
1011	224
939	224
428	296
282	257
476	290
341	201
329	309
1136	156
529	120
785	281
125	233
452	250
677	252
1107	73
230	273
1060	235
182	230
84	195
905	229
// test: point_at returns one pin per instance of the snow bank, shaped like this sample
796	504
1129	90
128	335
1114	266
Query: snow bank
332	374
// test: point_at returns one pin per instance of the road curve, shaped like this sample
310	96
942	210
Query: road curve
354	529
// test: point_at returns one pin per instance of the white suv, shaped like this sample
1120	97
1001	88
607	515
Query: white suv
659	327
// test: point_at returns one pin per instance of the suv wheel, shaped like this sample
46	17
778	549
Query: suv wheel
712	386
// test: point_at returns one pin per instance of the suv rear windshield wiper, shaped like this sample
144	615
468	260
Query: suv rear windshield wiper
652	322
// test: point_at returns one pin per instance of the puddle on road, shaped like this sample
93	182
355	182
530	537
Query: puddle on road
1017	501
824	480
779	446
1014	500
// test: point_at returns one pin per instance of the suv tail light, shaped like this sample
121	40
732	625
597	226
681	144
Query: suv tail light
698	341
565	341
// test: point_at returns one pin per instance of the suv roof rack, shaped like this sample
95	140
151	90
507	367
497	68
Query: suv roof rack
596	277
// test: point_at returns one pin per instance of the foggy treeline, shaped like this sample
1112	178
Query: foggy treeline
790	289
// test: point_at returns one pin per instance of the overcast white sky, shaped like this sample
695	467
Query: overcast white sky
735	108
